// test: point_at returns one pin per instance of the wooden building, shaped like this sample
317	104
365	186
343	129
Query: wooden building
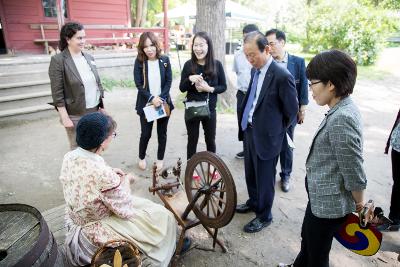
28	26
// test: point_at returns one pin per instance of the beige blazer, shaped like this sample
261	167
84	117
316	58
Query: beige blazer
67	88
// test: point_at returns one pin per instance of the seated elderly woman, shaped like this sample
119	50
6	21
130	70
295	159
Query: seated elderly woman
100	206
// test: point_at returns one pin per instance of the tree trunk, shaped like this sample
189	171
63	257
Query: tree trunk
139	12
210	18
144	13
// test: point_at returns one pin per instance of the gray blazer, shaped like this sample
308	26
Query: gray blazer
334	164
66	84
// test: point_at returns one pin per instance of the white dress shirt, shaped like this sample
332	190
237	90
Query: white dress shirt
242	68
261	77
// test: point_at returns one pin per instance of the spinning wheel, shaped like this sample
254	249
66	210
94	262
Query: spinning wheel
209	182
210	195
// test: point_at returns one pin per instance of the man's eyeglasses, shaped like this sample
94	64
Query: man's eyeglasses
313	83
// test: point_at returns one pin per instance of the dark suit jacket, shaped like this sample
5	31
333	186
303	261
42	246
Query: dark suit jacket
276	107
142	83
67	88
297	67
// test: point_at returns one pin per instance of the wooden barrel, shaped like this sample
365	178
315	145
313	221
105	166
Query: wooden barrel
25	238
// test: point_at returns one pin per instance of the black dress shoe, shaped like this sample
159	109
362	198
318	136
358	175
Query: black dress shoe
256	225
285	185
243	208
240	155
186	245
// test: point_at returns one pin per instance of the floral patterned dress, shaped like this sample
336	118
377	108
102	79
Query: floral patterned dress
100	208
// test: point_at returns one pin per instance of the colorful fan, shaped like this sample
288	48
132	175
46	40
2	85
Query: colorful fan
364	241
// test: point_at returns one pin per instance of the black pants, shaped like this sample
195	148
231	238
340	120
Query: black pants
286	155
209	127
260	178
394	214
146	128
239	101
317	235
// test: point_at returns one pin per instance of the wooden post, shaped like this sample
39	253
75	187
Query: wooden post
166	31
60	14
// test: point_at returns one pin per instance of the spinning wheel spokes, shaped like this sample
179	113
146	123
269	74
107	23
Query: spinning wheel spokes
206	174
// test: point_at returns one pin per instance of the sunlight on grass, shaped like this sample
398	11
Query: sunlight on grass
372	73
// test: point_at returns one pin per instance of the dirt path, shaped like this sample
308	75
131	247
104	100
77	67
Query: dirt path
31	156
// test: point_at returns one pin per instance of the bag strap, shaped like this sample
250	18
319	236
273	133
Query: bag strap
144	74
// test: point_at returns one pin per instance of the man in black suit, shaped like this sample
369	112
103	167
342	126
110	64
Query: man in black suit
269	106
296	66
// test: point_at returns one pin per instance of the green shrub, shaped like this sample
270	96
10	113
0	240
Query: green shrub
359	30
110	83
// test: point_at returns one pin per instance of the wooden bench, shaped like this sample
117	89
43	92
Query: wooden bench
45	40
113	29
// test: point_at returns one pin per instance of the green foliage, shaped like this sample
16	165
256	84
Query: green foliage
109	83
349	26
386	4
154	7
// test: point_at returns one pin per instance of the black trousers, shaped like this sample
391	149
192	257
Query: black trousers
239	101
193	128
394	214
286	155
260	178
317	235
146	128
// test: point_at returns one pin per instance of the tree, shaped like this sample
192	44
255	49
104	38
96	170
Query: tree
141	13
210	18
359	30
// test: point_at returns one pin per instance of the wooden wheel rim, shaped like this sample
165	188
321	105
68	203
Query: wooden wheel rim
207	173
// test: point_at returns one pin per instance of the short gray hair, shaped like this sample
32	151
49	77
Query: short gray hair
260	39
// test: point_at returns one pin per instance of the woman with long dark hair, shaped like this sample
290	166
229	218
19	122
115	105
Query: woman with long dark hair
153	78
75	84
203	78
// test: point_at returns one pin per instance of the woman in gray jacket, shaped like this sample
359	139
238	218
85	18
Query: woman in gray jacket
335	180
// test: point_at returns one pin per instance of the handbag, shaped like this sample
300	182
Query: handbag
167	108
197	110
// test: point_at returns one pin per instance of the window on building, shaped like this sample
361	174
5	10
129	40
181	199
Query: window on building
50	8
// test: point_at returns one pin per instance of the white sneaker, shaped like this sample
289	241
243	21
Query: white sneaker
142	164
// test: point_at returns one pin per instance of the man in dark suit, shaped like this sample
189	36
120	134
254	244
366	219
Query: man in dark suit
269	106
296	66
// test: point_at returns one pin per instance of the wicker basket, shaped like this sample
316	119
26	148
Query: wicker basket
129	252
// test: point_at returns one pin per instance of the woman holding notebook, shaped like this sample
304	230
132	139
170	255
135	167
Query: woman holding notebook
153	78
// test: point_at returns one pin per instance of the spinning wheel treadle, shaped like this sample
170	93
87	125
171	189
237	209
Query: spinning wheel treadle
208	179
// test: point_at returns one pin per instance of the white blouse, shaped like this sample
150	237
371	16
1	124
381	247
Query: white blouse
92	92
154	77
